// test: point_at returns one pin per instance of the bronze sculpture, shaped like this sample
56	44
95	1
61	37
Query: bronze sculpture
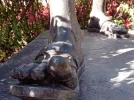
58	62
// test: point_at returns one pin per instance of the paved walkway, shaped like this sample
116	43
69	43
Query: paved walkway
108	74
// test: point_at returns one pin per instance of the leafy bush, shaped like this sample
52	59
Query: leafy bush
122	12
82	9
20	22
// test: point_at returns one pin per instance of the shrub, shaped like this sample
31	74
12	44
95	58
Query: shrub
82	9
20	22
122	12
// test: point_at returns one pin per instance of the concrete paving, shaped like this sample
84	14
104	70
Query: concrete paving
109	69
108	72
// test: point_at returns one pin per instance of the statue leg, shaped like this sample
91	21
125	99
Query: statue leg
100	22
58	62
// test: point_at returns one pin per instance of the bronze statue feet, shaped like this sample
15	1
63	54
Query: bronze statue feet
54	65
113	31
107	28
50	68
53	75
55	80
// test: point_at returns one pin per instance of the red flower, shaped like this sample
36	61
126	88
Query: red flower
30	18
46	12
108	13
19	16
114	3
35	33
127	24
21	10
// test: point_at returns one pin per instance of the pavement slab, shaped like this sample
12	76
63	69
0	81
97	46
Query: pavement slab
108	73
109	68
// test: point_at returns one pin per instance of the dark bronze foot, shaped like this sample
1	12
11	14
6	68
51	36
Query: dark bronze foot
56	80
113	31
57	64
53	75
50	67
107	28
